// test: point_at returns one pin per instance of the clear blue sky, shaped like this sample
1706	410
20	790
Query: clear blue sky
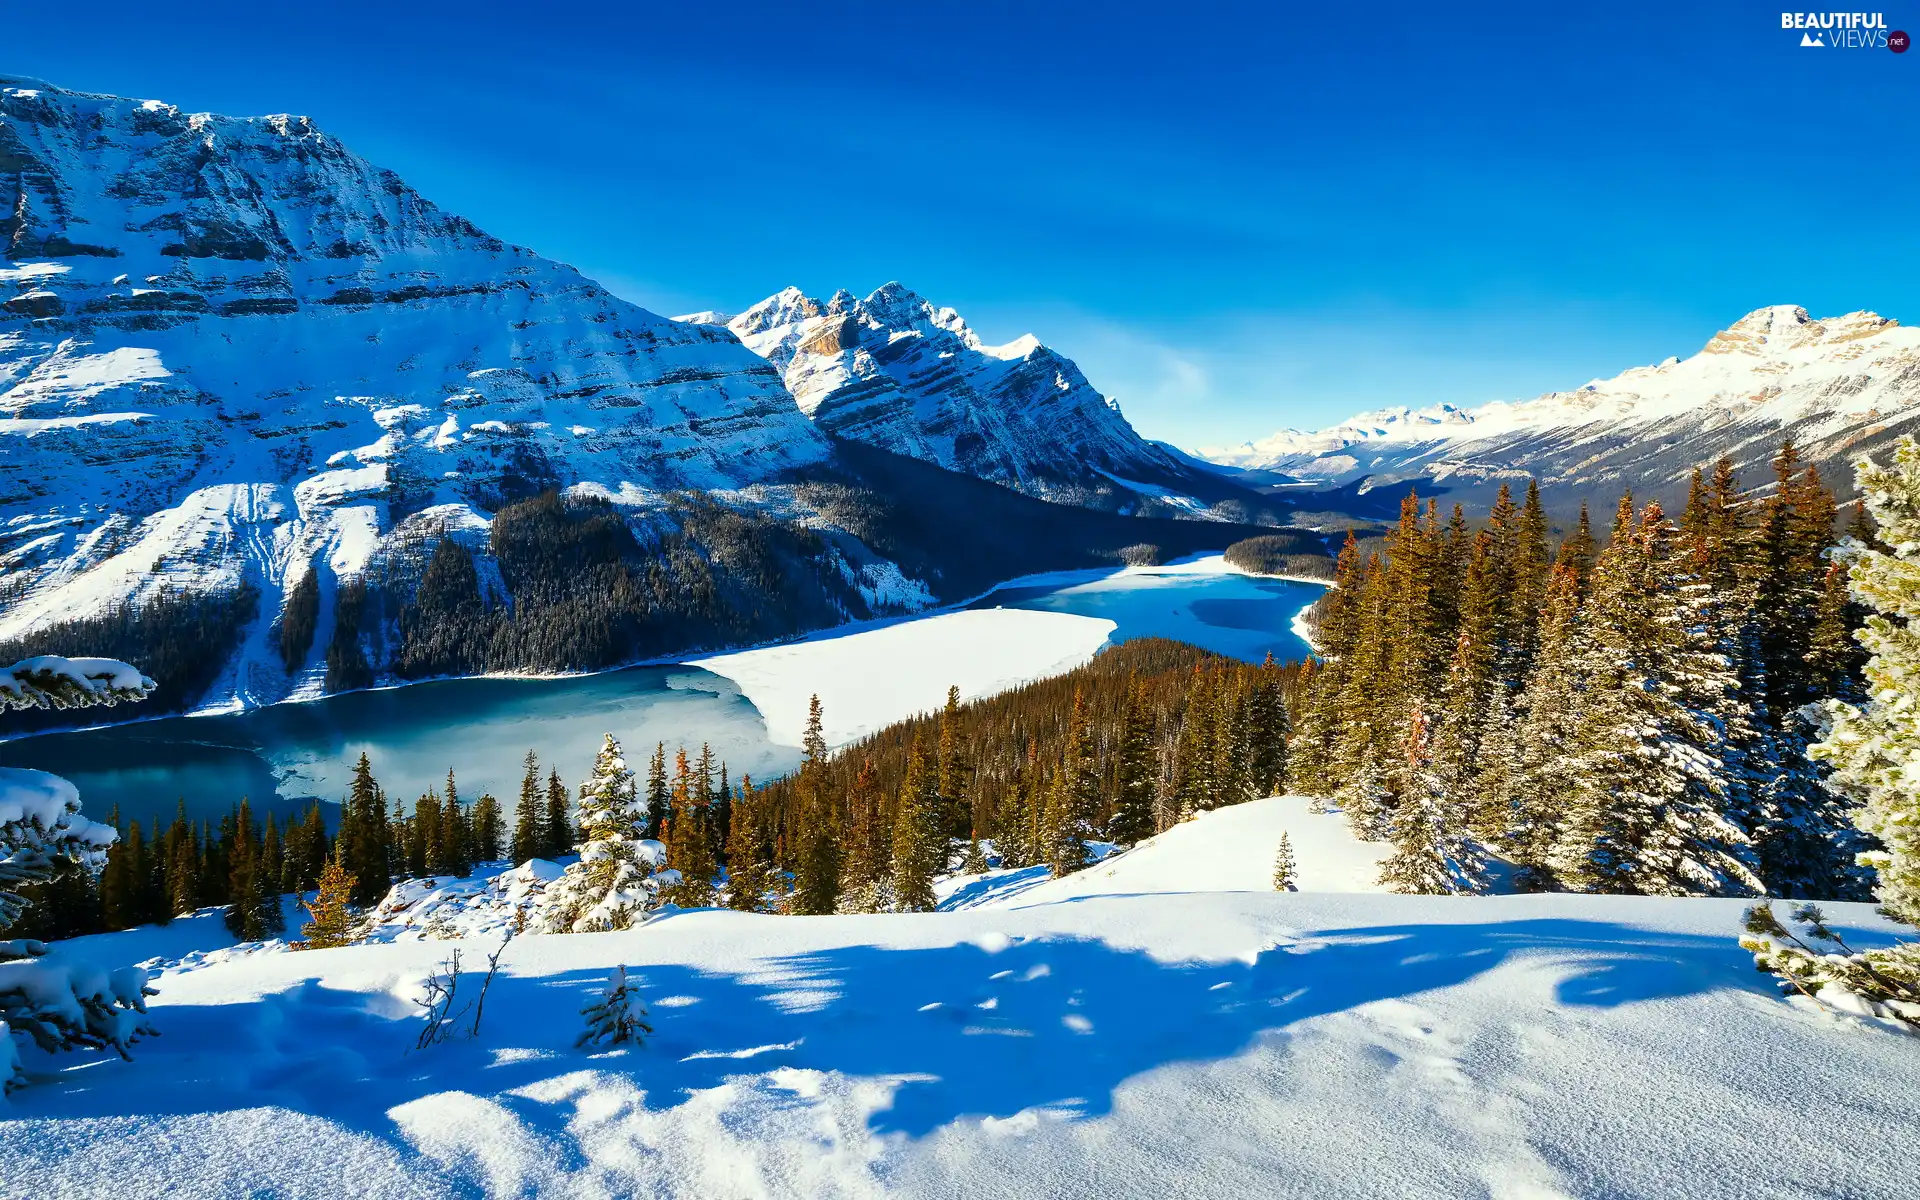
1234	216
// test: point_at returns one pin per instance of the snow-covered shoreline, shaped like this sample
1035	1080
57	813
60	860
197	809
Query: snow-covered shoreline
1198	564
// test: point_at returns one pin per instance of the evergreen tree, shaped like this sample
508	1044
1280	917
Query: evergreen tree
183	865
1268	729
749	853
119	881
331	909
1654	807
529	816
689	850
1429	854
917	843
487	828
364	836
659	802
558	831
1286	876
1137	775
816	890
1073	798
867	869
955	772
253	912
612	886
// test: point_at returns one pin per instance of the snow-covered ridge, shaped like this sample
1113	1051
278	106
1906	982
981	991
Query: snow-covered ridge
898	372
232	351
1832	382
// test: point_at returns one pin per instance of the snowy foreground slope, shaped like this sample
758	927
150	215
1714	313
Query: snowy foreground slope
1193	1043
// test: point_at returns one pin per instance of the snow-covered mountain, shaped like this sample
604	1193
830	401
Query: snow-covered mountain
1840	386
896	372
233	351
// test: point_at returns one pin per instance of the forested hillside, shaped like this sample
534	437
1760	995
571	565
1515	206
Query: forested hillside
1630	717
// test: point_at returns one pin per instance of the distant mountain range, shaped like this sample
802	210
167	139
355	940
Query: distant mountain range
897	372
1841	386
237	360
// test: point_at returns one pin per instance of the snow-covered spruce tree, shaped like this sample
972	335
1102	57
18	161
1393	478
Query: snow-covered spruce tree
615	884
51	998
617	1016
1286	876
1874	749
1655	807
1430	857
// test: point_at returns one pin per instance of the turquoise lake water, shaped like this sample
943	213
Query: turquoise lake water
283	754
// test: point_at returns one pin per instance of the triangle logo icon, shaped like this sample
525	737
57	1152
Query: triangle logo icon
1808	39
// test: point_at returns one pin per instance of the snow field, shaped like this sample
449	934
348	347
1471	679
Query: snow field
872	677
1096	1042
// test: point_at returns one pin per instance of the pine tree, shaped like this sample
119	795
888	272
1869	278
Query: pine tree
487	828
916	836
558	831
119	901
253	912
689	850
1136	775
183	865
1871	747
1285	873
612	886
749	853
331	909
955	771
1429	855
364	836
1073	797
659	801
617	1016
529	816
1268	729
1654	810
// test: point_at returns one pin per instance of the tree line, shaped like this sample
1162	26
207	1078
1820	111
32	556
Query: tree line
1630	717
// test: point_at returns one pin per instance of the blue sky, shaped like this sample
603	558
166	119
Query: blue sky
1236	217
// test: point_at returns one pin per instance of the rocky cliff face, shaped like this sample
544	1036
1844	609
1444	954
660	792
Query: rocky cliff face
1840	386
232	352
896	372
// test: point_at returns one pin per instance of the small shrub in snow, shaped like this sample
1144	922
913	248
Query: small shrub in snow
1285	875
617	1016
333	920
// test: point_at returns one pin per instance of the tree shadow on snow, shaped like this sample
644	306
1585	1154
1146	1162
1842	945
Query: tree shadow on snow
967	1030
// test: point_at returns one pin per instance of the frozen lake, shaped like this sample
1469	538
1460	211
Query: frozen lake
747	705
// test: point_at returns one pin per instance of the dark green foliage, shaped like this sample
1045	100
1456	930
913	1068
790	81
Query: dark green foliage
354	617
298	618
181	641
1133	698
1279	554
